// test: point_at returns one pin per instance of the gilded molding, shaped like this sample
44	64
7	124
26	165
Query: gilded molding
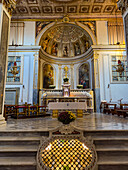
10	5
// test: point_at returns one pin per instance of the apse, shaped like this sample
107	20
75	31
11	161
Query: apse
65	40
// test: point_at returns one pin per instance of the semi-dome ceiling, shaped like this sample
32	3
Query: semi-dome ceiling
65	40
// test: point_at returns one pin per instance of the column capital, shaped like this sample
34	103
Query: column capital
10	5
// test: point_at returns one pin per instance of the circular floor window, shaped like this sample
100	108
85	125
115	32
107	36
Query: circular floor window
66	154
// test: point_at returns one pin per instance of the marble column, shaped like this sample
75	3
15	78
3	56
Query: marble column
96	81
72	76
36	78
6	8
59	75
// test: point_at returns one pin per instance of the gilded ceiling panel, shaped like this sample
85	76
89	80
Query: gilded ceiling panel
41	9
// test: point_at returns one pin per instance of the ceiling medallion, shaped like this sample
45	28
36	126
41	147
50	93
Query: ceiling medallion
66	19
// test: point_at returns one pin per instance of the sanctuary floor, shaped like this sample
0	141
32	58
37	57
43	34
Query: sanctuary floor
95	121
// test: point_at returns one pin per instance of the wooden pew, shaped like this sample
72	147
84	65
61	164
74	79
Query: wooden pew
24	111
123	110
109	108
9	110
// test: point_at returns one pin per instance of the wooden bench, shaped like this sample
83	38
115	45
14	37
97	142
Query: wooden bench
9	110
24	111
109	108
123	110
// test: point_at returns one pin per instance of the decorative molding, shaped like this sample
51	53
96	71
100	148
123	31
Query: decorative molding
10	5
57	9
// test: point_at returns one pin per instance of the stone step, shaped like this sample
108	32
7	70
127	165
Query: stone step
114	156
13	140
110	138
113	165
18	150
106	133
21	133
17	163
111	148
111	143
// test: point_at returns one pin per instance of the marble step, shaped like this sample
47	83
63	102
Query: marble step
17	163
18	150
106	133
21	133
13	140
115	156
111	148
113	165
111	143
110	138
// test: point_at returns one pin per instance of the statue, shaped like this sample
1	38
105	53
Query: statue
65	51
54	49
66	71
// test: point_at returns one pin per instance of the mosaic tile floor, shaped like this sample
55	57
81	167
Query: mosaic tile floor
95	121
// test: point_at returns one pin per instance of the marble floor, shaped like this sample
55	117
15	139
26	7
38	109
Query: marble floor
94	121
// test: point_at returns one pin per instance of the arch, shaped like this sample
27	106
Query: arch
42	32
77	23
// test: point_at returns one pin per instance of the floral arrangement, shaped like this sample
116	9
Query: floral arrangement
52	86
66	117
80	86
65	79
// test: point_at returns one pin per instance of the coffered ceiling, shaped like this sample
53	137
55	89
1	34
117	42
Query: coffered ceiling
45	9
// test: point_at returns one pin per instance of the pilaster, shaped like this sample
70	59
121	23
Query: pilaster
96	81
36	78
6	8
60	79
123	5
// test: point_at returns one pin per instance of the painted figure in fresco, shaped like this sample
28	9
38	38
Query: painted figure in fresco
65	51
84	75
86	45
77	49
54	49
84	84
48	76
45	44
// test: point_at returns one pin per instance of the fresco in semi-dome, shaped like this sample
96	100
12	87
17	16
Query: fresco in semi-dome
84	75
48	76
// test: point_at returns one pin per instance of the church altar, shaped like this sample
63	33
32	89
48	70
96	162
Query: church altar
85	96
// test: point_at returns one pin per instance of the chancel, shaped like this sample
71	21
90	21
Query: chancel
63	84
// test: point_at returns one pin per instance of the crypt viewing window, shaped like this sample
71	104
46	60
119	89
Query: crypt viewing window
84	75
116	33
16	33
119	68
14	69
